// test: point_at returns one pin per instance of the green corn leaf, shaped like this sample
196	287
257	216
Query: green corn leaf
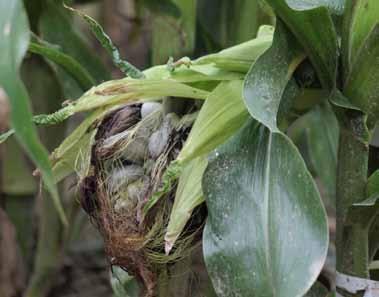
364	16
17	178
46	97
264	173
338	99
123	285
264	214
346	38
361	87
334	6
372	191
13	45
106	42
373	184
224	23
315	31
263	96
188	195
323	135
69	64
316	134
222	114
179	31
53	18
163	7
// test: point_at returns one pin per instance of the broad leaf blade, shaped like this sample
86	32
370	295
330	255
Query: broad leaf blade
365	16
362	87
13	45
17	178
69	64
224	23
266	234
323	135
54	17
335	6
315	31
179	32
373	184
267	79
316	135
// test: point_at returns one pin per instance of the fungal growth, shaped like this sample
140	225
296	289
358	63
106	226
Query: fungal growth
131	150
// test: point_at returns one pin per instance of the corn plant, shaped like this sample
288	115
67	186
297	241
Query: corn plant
224	167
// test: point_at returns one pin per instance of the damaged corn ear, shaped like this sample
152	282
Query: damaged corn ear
222	114
132	148
140	167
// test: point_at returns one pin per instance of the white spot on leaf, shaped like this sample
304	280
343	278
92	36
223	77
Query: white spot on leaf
7	29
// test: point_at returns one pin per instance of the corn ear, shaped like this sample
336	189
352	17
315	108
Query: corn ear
222	114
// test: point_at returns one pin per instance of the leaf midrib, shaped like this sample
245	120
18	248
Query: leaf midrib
267	212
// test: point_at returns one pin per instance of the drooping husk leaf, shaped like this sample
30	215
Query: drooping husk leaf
188	195
221	116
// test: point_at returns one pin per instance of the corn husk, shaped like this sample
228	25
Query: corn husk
188	196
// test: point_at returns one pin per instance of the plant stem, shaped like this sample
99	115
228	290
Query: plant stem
163	281
352	230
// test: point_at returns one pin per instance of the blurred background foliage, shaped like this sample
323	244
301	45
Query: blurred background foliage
50	260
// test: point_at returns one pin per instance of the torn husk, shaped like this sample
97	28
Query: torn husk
129	156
